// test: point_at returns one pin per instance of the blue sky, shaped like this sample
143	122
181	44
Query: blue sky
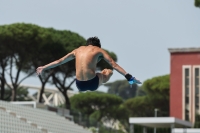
138	32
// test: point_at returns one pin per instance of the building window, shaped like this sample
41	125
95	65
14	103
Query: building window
187	92
187	100
197	100
196	86
197	107
197	80
187	85
186	115
196	90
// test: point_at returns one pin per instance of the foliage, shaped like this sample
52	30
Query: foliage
15	39
3	64
104	129
197	3
157	84
157	90
99	106
22	94
102	104
157	96
139	107
122	88
140	91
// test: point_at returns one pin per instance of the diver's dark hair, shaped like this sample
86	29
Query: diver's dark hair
94	41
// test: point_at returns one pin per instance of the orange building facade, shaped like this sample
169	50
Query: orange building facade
185	83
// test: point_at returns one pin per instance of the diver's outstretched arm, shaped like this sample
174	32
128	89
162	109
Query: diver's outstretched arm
119	69
65	59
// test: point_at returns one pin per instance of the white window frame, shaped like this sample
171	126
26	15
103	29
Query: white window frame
193	88
183	90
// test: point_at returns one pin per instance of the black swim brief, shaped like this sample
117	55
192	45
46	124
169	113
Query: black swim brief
91	84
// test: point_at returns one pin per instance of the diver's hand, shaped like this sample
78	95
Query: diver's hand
39	70
132	79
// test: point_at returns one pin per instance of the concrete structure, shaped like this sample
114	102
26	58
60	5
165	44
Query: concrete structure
184	83
158	122
178	130
24	119
51	96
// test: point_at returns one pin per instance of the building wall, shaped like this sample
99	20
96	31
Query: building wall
177	61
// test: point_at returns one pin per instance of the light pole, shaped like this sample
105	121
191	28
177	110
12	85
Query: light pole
155	110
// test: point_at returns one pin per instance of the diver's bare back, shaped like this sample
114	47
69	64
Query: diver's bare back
86	60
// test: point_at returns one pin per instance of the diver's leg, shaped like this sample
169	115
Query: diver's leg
104	76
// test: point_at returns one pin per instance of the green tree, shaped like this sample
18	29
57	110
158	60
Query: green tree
21	95
197	3
140	91
100	106
157	96
122	89
157	90
13	40
28	46
139	107
4	58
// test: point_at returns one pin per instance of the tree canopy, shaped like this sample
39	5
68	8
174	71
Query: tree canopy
98	104
197	3
156	96
122	89
15	39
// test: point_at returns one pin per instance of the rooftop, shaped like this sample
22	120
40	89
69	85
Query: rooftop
183	50
159	122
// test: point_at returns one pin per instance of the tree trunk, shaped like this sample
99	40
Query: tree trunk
2	83
67	102
41	93
43	86
13	98
2	89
